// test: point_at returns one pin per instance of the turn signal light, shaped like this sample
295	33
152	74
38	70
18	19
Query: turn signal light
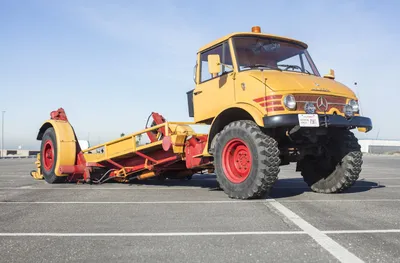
256	29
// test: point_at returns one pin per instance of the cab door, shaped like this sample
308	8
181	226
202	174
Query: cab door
213	93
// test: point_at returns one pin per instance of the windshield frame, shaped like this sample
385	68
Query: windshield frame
305	51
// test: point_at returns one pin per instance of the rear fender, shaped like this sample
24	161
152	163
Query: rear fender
66	142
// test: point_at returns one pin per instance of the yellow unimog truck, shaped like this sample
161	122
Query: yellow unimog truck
266	105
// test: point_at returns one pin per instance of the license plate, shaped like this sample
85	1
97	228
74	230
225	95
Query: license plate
308	120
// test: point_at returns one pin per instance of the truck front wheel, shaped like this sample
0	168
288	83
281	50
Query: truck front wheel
246	160
338	168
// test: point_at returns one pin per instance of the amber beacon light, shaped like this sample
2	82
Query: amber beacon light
256	29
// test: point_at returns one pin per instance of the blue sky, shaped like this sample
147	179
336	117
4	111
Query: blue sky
109	64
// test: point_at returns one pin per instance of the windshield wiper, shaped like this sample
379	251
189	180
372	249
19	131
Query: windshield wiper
294	67
263	66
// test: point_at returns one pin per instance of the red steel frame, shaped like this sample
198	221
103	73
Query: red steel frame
154	162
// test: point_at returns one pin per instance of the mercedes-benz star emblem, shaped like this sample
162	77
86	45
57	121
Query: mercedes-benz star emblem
322	104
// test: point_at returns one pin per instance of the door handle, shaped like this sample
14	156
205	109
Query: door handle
197	92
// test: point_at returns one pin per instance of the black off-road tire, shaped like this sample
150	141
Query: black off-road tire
213	142
341	172
258	157
49	140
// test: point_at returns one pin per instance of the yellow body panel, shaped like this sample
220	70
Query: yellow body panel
252	110
66	143
291	82
247	89
215	95
181	128
178	143
93	157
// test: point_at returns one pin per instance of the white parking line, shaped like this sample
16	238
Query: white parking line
338	200
191	188
166	234
378	178
338	251
132	188
195	201
155	234
379	185
296	180
136	202
13	178
362	231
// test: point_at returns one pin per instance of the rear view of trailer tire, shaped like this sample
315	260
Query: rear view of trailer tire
48	161
246	160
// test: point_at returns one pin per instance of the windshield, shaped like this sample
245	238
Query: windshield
268	53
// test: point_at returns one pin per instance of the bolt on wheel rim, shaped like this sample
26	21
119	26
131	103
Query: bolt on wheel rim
237	161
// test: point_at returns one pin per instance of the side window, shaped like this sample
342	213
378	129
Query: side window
225	55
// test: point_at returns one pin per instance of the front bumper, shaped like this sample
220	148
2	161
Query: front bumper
291	120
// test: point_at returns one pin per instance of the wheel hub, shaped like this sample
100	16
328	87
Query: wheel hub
237	160
48	155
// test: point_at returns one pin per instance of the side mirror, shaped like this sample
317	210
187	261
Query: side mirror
331	74
214	64
195	73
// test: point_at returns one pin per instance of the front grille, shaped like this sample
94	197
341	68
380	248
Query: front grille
333	101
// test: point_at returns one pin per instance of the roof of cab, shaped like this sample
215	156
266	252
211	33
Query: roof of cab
226	37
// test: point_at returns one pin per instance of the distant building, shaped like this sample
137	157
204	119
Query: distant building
19	153
380	146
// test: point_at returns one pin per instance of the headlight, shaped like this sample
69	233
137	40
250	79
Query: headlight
290	102
354	105
348	110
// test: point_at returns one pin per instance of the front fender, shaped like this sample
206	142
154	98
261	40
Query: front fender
255	113
229	114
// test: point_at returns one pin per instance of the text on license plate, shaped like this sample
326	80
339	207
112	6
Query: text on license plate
308	120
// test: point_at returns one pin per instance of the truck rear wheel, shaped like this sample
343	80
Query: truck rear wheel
246	160
48	157
339	169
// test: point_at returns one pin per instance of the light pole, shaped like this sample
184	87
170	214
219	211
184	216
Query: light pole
2	132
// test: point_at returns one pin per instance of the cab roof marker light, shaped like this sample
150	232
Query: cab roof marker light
256	29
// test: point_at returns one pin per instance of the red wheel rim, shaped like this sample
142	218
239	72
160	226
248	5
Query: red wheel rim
237	161
48	155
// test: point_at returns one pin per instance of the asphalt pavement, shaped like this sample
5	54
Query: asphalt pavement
193	221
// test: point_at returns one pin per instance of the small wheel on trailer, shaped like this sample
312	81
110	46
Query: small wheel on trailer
246	160
48	158
338	169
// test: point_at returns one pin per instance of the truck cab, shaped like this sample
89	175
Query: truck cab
268	105
273	75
